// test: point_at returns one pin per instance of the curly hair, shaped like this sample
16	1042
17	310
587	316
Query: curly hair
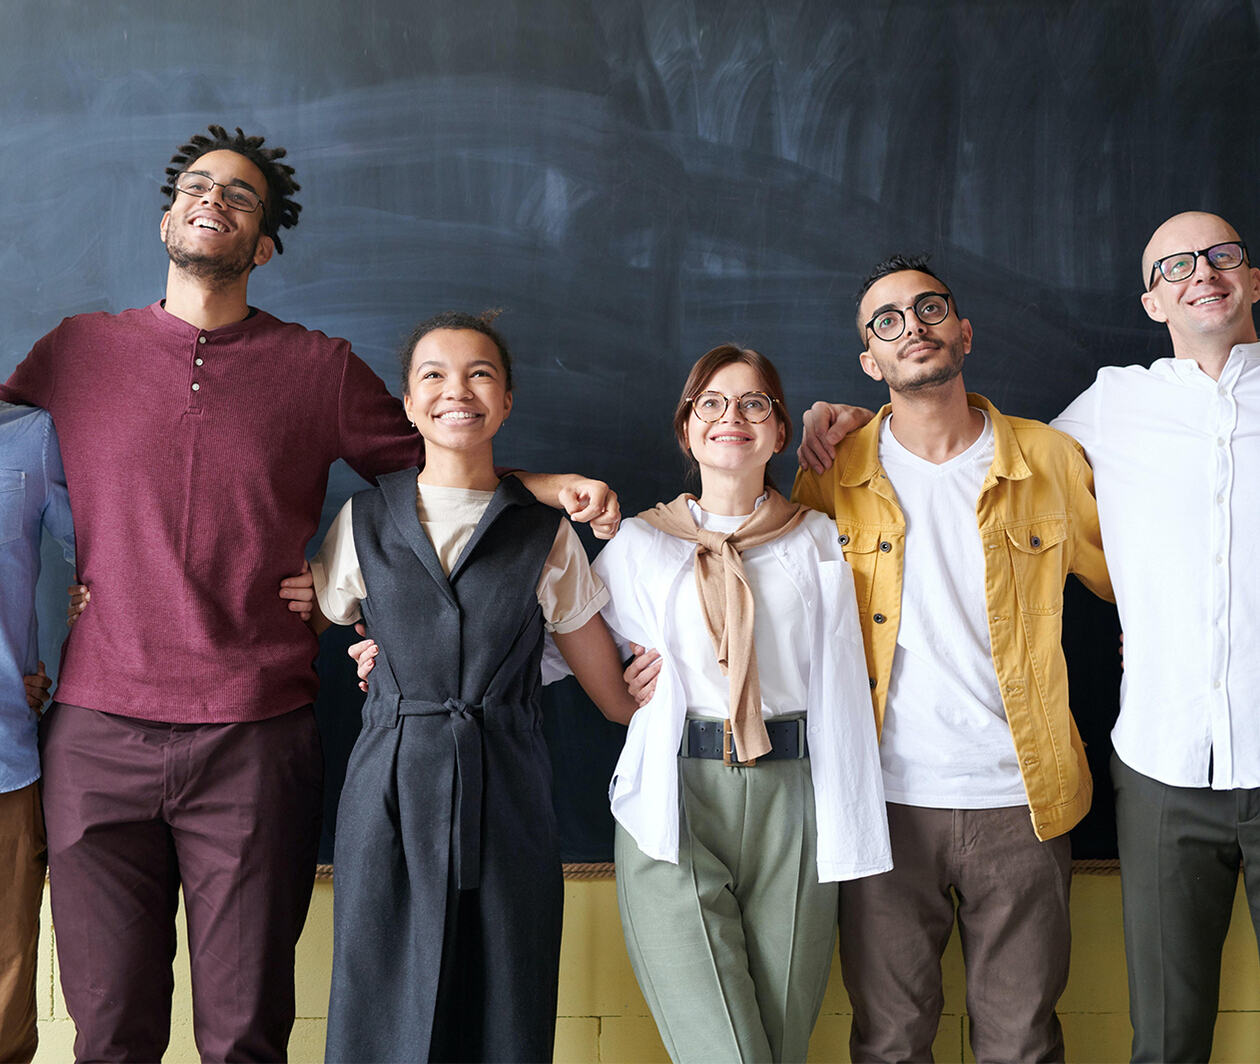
279	209
455	319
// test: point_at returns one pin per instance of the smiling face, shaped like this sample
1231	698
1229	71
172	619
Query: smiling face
205	237
1212	307
457	395
732	444
923	356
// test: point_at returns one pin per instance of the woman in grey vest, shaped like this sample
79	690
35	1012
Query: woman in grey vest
448	901
750	780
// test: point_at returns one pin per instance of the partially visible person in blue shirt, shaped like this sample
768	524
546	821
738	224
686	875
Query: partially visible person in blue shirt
32	498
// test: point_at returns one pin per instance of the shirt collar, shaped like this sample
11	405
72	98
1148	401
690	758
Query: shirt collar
1188	371
171	323
1008	459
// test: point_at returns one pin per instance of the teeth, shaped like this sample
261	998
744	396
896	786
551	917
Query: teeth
457	415
210	223
1207	299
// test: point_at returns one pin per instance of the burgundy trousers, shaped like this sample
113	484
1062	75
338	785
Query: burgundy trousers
135	809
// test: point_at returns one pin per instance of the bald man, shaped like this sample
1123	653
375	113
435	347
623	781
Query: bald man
1176	454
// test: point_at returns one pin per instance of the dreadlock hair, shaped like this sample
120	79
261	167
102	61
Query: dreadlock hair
279	209
455	319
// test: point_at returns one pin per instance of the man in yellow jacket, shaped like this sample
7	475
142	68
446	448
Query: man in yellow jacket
961	526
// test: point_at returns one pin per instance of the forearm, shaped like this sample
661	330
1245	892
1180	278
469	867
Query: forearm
545	487
318	623
593	657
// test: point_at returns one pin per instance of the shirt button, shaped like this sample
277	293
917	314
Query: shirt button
879	618
1221	390
196	387
1220	500
198	361
201	339
1220	441
885	546
844	540
872	682
1217	685
1220	560
1035	541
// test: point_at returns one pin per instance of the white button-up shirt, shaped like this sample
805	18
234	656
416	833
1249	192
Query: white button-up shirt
1176	459
645	570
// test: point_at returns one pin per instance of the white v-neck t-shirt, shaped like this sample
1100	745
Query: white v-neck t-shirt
946	743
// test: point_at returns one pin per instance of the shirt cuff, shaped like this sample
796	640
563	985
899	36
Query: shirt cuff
577	620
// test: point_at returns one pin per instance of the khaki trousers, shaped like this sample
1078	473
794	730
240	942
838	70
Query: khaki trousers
732	946
1010	893
23	859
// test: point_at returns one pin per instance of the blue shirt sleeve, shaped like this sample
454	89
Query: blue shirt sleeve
56	512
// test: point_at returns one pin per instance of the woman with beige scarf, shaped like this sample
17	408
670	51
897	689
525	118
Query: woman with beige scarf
750	783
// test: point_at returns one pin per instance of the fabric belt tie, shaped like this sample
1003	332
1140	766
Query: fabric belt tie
465	722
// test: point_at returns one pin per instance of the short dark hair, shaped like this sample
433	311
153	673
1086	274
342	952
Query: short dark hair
279	208
893	264
455	319
702	372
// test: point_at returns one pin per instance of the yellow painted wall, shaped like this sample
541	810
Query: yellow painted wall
602	1016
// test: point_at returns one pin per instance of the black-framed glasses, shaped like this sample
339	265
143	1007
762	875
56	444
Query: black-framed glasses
931	308
1181	266
753	407
238	197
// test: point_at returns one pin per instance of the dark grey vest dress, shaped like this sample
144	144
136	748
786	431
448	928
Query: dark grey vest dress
448	892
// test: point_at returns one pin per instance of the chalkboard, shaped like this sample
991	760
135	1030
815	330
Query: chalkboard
634	182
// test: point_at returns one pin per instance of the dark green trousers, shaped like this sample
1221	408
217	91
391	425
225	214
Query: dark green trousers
1180	853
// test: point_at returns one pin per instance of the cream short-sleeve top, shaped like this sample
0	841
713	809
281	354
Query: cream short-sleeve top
568	592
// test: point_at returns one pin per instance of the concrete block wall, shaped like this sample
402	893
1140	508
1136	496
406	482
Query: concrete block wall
602	1017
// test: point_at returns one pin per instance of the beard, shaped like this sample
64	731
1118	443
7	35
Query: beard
916	379
218	271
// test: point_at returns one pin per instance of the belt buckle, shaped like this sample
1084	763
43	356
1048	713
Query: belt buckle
728	748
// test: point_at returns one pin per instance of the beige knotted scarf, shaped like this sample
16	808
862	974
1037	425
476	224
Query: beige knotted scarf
727	601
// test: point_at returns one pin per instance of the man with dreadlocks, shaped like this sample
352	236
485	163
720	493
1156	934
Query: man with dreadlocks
182	749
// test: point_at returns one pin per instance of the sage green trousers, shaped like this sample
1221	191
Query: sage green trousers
732	946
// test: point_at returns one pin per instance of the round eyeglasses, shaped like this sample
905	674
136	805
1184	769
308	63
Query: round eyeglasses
753	407
1181	266
237	197
931	308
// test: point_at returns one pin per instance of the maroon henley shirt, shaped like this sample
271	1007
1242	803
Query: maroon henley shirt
197	462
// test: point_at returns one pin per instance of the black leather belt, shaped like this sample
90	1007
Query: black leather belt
711	740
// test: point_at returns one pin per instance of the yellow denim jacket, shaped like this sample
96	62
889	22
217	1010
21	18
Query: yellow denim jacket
1038	521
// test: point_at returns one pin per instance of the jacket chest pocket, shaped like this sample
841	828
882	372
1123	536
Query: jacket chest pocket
1036	553
863	550
12	499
